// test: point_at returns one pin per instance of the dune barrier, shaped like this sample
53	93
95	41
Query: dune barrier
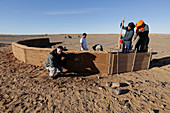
36	51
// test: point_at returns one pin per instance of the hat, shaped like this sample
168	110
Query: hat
84	34
139	23
60	47
131	25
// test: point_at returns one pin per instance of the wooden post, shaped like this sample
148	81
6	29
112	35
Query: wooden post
119	46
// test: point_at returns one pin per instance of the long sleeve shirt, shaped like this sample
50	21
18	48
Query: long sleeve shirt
128	34
54	59
144	33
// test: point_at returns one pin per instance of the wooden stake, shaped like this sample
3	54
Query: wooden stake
119	45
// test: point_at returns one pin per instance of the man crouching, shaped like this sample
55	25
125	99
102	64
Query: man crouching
54	63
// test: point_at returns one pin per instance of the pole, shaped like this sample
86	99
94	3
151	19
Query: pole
117	62
119	46
134	60
149	58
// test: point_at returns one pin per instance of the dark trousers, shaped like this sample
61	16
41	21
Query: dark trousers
142	44
61	63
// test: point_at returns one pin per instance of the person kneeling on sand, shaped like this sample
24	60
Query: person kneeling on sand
83	44
127	39
54	62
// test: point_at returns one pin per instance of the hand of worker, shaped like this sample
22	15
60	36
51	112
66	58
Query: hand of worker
120	35
133	39
76	59
123	21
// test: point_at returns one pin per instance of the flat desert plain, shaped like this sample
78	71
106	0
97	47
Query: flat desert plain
27	88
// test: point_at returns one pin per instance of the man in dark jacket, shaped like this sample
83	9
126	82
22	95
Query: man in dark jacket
127	39
54	62
142	30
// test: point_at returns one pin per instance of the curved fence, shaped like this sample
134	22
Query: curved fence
33	52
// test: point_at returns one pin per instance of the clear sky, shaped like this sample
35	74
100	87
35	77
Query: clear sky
78	16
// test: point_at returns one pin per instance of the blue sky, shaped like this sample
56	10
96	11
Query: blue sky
78	16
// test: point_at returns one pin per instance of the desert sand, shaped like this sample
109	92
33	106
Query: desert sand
27	88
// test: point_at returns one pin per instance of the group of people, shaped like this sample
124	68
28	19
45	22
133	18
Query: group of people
55	65
83	44
142	30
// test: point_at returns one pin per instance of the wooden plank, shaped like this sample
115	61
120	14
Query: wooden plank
127	67
139	67
123	66
101	58
122	55
125	63
141	62
126	60
102	68
122	69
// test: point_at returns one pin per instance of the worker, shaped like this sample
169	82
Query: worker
142	30
127	39
97	47
54	63
83	43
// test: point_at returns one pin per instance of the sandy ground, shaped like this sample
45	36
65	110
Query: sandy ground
27	88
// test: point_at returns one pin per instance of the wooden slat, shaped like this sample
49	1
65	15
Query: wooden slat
126	61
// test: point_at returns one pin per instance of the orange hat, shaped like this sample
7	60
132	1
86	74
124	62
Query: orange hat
140	24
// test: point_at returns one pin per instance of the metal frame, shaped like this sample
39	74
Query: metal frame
111	60
149	58
134	60
110	63
117	61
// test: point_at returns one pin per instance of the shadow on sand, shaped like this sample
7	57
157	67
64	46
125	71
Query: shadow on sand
54	43
160	62
84	67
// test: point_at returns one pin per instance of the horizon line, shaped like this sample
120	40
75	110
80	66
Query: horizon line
71	33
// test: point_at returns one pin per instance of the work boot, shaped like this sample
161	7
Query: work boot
59	71
51	77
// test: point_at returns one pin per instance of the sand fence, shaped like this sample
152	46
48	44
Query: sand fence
36	51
